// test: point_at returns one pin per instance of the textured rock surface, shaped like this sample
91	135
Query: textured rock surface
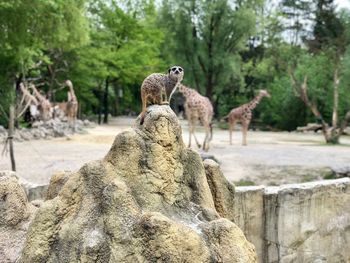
307	222
221	190
15	215
147	201
249	215
34	191
56	183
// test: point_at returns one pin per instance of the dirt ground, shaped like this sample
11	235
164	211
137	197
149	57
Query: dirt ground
270	157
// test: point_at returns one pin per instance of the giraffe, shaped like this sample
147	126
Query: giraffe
243	114
198	107
156	87
72	104
30	101
44	104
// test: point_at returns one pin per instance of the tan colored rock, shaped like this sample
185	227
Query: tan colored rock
228	238
249	215
307	222
147	201
222	190
56	183
13	208
15	216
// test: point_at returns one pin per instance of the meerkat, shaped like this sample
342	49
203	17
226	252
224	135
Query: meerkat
156	88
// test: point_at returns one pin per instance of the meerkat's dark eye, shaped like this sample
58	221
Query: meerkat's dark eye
180	69
173	69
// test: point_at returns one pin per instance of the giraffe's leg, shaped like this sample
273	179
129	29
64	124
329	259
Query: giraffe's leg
232	127
245	125
194	135
207	138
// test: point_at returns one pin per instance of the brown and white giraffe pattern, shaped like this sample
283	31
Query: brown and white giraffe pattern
244	115
198	107
44	104
157	87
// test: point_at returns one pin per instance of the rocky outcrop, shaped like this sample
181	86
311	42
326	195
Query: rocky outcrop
33	191
249	215
221	190
57	181
15	215
307	222
148	200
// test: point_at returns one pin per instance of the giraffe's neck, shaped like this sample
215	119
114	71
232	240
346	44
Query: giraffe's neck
72	94
255	102
38	95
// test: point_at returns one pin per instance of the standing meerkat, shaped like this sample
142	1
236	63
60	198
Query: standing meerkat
157	87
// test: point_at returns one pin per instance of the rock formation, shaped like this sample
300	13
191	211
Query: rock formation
222	191
15	215
307	222
148	200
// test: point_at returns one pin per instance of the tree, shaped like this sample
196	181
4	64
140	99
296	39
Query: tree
124	49
207	37
28	30
329	40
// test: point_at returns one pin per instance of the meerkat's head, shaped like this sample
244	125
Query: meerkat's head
176	73
264	93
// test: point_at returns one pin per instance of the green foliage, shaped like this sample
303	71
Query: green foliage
205	37
229	50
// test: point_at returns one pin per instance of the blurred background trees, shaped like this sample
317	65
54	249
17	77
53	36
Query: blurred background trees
229	49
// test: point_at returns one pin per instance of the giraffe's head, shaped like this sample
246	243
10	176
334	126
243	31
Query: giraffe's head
264	93
176	73
69	83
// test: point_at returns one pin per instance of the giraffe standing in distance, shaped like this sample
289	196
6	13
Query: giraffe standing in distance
243	114
198	107
72	104
157	87
44	104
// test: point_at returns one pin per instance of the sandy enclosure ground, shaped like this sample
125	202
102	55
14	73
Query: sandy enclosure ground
270	155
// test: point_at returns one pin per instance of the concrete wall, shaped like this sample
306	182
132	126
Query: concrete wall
297	223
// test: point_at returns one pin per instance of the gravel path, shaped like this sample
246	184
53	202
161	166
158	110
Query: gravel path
266	152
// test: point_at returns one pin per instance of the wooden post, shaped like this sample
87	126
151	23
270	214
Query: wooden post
10	136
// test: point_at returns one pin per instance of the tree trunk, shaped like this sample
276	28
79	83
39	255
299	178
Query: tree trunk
335	99
116	103
10	137
105	102
100	104
332	134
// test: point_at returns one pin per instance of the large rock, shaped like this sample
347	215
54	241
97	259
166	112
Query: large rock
249	215
57	181
148	200
221	189
307	222
13	208
15	215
